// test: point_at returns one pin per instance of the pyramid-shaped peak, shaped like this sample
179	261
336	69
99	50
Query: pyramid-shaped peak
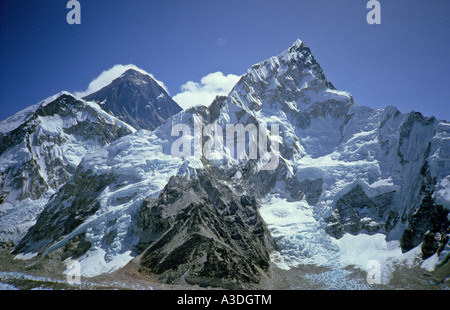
136	98
136	78
133	74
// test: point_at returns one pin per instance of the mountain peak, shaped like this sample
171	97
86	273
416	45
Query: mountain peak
297	43
298	51
132	73
136	77
136	98
290	81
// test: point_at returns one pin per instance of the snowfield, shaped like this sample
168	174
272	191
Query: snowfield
302	240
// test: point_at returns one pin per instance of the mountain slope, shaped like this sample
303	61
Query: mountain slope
199	231
99	204
40	151
136	99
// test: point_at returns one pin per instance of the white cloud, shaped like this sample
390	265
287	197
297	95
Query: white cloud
203	93
106	77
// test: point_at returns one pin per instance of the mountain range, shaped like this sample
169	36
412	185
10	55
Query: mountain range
94	179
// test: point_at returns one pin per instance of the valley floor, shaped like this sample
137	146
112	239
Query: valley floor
31	275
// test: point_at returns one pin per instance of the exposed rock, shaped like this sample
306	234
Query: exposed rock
75	202
307	189
355	213
76	247
204	228
429	223
200	232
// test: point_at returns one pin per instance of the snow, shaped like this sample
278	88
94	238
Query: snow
96	262
430	263
297	233
341	151
189	167
17	119
302	240
20	117
140	169
7	287
359	147
26	256
17	218
5	276
107	76
442	194
360	250
288	55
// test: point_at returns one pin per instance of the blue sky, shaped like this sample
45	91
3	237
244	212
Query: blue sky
403	61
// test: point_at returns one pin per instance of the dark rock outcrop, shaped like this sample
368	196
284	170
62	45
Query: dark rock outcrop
429	223
356	212
200	232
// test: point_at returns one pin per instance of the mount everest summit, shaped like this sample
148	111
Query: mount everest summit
137	99
94	179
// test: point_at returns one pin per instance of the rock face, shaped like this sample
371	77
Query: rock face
136	99
429	223
75	202
200	232
362	170
91	217
356	213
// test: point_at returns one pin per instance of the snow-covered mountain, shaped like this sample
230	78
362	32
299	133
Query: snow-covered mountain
359	171
351	185
40	149
137	99
396	159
